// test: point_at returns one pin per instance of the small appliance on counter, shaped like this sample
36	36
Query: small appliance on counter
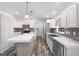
26	29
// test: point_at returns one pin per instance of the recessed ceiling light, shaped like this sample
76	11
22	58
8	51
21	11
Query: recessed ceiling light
54	12
57	2
17	12
47	16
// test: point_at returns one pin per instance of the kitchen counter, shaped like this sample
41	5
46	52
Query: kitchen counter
65	41
23	38
71	47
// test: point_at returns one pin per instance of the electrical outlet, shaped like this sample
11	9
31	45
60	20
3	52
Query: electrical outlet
74	33
69	33
66	32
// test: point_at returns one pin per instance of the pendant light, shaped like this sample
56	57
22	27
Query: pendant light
26	16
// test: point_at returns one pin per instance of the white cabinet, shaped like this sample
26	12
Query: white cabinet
72	16
18	24
32	24
6	31
52	23
7	26
69	18
58	21
63	20
49	42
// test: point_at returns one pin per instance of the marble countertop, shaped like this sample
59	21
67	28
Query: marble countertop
65	41
23	38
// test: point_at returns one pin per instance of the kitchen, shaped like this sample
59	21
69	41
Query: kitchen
39	29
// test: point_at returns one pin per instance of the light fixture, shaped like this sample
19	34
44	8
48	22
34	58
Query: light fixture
26	16
54	12
57	2
17	12
48	21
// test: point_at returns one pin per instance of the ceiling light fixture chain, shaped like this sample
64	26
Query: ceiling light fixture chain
26	15
27	8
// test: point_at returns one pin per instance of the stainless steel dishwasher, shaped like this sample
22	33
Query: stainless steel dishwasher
58	49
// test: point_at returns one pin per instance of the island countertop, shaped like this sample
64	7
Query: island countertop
23	38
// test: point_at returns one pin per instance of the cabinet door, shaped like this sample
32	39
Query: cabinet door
0	33
52	23
7	31
72	17
63	19
49	42
10	27
5	26
17	23
58	22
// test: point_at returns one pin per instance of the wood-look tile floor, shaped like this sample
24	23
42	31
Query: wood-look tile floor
41	48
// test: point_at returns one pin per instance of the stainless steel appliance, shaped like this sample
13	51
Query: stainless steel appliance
26	29
58	49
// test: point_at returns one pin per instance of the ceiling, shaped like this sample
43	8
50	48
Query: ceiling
41	9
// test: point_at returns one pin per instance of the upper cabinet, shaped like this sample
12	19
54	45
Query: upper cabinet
63	19
69	18
72	16
58	21
52	23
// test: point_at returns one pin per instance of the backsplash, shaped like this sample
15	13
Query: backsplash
21	29
17	29
72	31
61	29
52	30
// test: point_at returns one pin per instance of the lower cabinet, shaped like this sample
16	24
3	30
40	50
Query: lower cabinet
59	49
56	48
24	49
50	43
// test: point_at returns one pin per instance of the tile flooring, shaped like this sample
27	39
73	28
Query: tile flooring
41	48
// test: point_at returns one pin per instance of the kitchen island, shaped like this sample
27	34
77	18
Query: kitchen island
23	43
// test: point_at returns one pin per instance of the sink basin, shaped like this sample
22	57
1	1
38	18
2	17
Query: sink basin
54	35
